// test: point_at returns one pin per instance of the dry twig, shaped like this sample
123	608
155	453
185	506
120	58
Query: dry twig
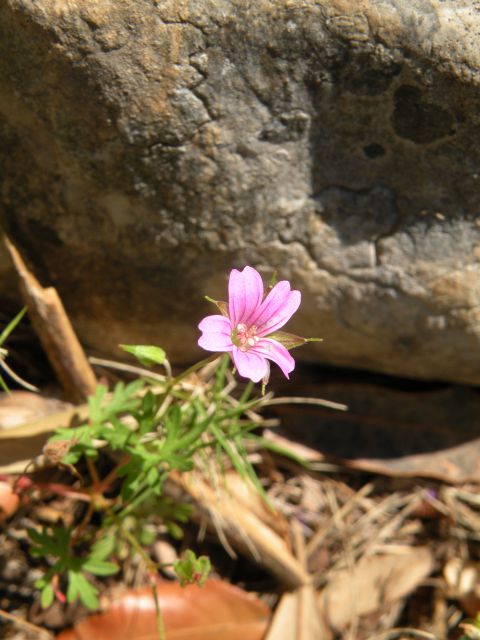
56	334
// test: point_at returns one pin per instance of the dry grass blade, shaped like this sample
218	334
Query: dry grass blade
404	634
297	614
38	632
318	402
320	535
127	368
56	334
238	527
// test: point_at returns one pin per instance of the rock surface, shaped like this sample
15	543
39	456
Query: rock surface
148	146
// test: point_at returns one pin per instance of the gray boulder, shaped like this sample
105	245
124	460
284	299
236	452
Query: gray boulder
149	146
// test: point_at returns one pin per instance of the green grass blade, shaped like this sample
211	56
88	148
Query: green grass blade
11	325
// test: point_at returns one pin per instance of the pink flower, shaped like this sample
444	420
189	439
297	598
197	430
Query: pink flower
248	320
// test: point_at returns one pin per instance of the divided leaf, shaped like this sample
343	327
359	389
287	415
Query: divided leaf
148	355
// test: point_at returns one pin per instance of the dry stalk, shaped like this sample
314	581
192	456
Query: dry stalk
403	634
42	634
322	533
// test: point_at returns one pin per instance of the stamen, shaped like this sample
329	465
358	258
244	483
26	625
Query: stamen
244	337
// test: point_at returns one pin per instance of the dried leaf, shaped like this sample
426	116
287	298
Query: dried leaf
20	445
297	617
426	432
20	407
373	582
9	501
216	611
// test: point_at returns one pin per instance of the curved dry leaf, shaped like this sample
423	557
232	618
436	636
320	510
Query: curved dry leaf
216	611
425	432
20	445
20	407
297	616
374	582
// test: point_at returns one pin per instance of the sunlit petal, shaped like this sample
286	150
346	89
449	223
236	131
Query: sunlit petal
250	364
216	334
277	308
276	352
245	293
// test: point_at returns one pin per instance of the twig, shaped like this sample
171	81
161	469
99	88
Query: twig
43	633
55	331
129	368
393	634
337	517
299	400
16	377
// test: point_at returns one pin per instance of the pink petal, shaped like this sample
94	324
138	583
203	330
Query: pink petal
217	332
276	352
277	308
250	364
245	293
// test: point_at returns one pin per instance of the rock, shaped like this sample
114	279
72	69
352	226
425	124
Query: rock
148	147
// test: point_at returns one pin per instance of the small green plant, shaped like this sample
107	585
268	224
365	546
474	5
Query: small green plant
4	354
56	543
140	433
471	628
133	439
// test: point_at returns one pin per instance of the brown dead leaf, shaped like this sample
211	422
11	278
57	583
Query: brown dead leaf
20	445
374	582
216	611
462	581
9	501
297	617
20	407
401	431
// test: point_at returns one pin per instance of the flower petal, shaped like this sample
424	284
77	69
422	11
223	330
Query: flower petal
217	332
245	293
250	364
277	308
276	352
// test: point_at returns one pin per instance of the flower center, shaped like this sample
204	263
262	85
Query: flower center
244	337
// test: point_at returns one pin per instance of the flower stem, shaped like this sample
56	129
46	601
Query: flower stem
190	370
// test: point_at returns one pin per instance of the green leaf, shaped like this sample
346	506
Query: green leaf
99	567
102	548
11	325
47	596
4	385
146	354
72	589
191	569
80	587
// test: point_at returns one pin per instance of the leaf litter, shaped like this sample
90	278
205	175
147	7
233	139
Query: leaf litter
376	538
378	551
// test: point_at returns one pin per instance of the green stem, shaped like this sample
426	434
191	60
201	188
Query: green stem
192	369
153	568
158	616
